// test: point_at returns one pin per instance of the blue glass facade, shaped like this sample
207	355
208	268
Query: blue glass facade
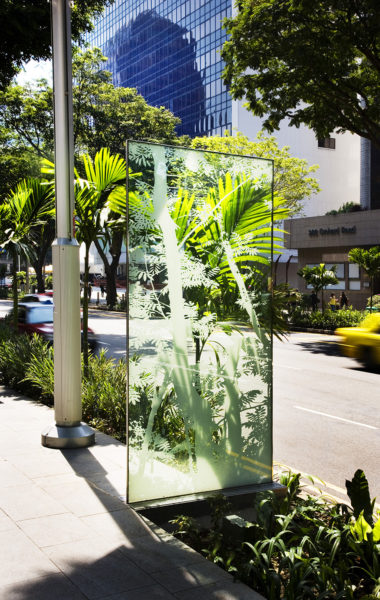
170	52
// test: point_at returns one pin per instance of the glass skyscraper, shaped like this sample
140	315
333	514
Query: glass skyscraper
170	52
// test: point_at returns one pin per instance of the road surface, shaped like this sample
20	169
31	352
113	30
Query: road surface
326	411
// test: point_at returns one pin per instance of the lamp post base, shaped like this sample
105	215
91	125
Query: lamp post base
76	436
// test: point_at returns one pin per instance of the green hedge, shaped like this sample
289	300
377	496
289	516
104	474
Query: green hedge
328	320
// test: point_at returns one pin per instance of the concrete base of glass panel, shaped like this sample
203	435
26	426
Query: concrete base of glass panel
241	500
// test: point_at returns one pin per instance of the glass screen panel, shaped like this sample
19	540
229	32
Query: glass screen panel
199	321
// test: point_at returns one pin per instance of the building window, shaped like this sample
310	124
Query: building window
353	271
327	143
353	276
341	285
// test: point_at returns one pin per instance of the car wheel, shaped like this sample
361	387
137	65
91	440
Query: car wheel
367	357
93	346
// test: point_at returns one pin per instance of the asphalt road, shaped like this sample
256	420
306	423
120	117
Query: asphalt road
326	411
325	406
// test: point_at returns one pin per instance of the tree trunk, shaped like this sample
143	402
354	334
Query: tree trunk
110	268
37	266
27	278
15	288
85	312
371	283
39	261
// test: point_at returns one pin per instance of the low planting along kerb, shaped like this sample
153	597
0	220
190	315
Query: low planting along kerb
296	547
27	365
329	319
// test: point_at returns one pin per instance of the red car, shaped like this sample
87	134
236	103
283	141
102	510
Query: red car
37	317
43	298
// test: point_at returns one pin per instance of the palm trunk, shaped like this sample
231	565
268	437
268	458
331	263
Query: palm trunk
322	301
110	268
85	312
15	288
371	283
27	278
39	261
37	266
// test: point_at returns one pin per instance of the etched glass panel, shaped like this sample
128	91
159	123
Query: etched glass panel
199	321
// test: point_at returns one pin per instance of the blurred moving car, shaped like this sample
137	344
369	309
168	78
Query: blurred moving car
43	298
362	343
37	317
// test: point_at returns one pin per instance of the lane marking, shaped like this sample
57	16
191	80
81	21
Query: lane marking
317	412
317	482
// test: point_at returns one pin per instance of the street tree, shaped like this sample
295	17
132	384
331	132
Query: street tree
107	116
104	115
369	261
319	277
26	117
16	163
28	206
25	31
104	179
293	180
315	62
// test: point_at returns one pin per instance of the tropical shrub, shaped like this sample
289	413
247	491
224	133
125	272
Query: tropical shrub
328	320
27	365
104	392
298	547
16	352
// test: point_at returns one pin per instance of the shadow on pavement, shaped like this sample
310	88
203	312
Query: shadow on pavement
329	348
123	557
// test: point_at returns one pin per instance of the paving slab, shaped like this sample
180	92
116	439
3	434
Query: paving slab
66	532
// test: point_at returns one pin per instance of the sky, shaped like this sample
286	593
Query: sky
34	70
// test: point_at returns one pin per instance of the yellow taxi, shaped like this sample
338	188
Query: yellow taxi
362	343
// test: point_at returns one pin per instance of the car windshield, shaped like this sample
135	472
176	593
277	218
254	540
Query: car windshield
40	314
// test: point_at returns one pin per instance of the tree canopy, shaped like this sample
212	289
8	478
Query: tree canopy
369	261
315	62
25	31
293	179
104	116
319	277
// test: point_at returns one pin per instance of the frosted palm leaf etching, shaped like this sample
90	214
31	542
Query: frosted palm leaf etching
201	237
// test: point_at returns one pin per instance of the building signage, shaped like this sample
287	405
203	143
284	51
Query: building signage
331	231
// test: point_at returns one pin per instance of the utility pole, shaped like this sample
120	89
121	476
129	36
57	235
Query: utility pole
67	431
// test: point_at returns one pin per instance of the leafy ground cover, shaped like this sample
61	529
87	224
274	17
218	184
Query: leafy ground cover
297	547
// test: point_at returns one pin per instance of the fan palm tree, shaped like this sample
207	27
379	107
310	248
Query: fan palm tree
31	204
232	232
369	261
319	277
104	181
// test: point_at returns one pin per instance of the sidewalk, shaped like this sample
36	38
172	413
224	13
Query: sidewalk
67	534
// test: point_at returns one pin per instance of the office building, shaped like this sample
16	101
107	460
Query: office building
169	51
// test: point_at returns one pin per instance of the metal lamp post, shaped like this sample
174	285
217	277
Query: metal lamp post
67	431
